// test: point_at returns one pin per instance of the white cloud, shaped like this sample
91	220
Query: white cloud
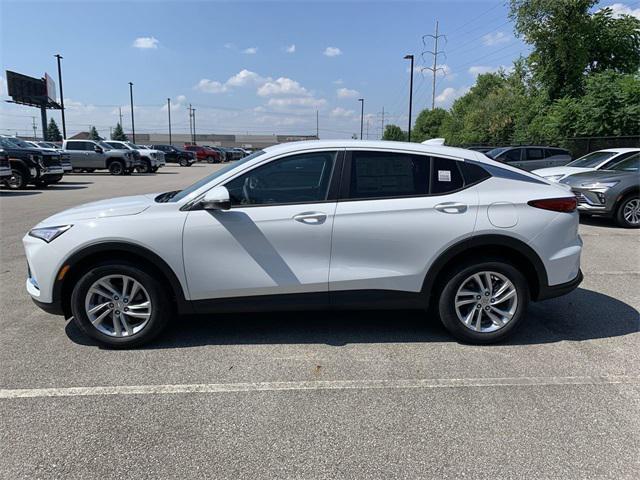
229	46
291	48
210	86
342	112
145	42
176	104
250	50
497	38
620	9
282	86
332	52
339	81
449	94
297	102
245	77
347	93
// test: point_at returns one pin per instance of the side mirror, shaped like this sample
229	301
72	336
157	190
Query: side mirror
216	199
98	149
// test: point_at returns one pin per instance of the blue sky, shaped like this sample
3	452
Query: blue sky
256	67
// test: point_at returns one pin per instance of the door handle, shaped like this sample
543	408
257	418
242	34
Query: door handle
451	207
311	218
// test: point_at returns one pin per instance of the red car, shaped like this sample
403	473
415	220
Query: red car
204	153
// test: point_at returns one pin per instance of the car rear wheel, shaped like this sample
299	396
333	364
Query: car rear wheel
18	179
628	214
116	168
484	302
120	305
183	162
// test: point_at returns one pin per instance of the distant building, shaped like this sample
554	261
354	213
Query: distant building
217	140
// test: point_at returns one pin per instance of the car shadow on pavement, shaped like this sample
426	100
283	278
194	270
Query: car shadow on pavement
599	221
18	193
581	315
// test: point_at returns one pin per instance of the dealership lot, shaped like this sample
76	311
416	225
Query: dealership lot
313	395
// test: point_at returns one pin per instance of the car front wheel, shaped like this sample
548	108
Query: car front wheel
116	168
145	167
18	179
484	302
628	214
120	305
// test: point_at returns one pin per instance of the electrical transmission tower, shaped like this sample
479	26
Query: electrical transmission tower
435	68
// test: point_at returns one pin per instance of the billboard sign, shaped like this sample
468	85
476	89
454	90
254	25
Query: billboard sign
51	88
35	92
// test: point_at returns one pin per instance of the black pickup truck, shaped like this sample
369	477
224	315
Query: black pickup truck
30	165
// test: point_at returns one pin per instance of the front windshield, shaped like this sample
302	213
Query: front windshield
592	159
200	183
631	164
495	152
16	142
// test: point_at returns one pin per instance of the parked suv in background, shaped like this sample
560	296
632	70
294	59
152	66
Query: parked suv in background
176	155
319	224
30	165
90	155
65	158
204	154
612	191
530	158
150	160
602	159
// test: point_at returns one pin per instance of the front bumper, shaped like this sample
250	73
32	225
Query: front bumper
591	201
55	170
5	172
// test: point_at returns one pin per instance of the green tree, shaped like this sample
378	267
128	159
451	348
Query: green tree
93	134
118	133
53	132
428	124
394	133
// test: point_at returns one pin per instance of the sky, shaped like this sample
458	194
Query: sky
252	67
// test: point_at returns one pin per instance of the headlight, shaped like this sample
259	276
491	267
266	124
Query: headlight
49	234
599	185
553	178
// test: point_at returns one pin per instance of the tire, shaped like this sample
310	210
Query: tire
111	330
18	180
183	162
493	325
154	169
145	167
116	168
628	212
210	159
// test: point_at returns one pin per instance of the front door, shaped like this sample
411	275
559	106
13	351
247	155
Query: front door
275	239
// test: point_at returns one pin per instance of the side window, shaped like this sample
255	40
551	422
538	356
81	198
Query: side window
75	146
445	176
388	174
535	154
296	179
616	159
556	151
512	155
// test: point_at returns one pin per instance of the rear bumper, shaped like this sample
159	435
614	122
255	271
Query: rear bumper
553	291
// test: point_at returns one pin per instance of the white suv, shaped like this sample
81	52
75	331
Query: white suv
320	224
150	160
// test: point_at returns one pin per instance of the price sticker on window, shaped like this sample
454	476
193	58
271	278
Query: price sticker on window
444	175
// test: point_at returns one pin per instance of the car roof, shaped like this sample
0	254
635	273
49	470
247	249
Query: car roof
618	150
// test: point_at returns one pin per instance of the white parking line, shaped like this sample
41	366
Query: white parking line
313	385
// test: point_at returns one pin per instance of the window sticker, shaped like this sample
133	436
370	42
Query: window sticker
444	175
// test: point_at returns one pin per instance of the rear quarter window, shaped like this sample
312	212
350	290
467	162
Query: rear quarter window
445	176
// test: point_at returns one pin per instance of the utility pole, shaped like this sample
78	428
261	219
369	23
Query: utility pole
194	126
64	124
190	125
410	57
435	68
169	111
361	100
35	129
133	125
120	115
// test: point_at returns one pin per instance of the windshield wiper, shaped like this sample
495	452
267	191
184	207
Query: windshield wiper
166	196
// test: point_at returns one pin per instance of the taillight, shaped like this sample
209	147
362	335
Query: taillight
565	204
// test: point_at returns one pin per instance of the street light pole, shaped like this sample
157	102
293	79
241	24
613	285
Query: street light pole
169	110
361	100
410	57
133	125
194	126
64	124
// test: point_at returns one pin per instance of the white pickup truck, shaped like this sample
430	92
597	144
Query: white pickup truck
150	160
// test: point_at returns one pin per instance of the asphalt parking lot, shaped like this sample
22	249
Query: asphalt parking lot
320	395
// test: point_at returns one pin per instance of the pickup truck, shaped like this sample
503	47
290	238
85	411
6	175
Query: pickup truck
65	158
150	160
90	155
29	165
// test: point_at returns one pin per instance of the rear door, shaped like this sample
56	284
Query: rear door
396	213
533	158
78	153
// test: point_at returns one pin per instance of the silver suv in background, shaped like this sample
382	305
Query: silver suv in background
150	160
90	155
530	157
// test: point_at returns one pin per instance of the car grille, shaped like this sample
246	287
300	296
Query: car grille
51	160
580	197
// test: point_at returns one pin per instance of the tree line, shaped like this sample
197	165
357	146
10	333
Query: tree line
581	79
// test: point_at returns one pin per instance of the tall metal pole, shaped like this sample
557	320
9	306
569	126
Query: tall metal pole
169	110
194	126
361	100
133	125
64	124
435	69
190	126
410	57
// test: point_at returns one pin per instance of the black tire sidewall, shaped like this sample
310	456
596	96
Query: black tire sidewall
145	167
116	171
23	179
161	306
453	281
620	212
183	162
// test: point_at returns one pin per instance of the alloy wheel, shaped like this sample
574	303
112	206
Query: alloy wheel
118	305
486	302
631	211
15	181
